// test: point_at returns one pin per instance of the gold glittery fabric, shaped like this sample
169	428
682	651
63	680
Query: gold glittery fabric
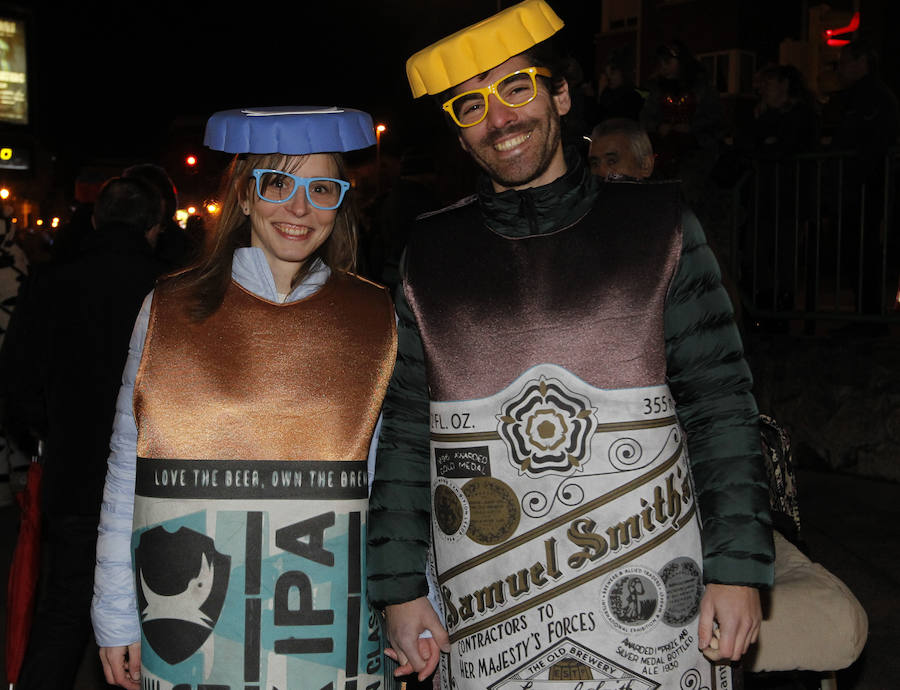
264	381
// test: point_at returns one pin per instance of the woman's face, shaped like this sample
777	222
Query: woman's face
290	232
669	67
774	92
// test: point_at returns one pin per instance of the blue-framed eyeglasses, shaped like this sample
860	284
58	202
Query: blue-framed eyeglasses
278	186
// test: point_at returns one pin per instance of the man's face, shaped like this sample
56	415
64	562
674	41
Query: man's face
612	154
614	77
774	92
518	147
851	69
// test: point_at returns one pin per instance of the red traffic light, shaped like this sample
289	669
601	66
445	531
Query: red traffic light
191	160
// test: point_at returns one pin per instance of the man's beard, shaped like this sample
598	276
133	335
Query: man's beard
511	174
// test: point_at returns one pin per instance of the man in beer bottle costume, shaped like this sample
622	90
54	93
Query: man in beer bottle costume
548	326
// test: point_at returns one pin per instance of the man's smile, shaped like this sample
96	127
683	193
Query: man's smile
512	142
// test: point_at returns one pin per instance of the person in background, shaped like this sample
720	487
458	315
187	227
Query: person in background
13	274
785	121
684	118
172	245
255	378
870	115
869	126
620	148
412	194
531	458
785	124
72	340
617	95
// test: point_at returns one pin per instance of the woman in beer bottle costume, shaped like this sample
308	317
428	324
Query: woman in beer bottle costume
234	512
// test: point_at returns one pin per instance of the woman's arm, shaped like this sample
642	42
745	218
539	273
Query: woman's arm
114	608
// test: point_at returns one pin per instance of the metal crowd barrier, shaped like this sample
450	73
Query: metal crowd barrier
816	237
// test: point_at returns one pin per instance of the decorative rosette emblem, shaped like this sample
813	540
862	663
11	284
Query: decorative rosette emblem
547	428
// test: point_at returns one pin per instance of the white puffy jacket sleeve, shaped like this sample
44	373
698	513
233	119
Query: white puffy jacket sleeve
114	608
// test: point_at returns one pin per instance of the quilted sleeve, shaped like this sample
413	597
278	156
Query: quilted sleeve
400	503
711	382
114	607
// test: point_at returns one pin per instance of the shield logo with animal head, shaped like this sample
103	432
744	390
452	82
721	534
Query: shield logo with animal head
181	582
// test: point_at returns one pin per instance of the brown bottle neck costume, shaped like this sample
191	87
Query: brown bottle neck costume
253	431
588	297
222	388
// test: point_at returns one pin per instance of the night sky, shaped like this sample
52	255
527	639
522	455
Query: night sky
112	78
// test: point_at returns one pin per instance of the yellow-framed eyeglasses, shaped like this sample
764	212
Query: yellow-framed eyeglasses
514	90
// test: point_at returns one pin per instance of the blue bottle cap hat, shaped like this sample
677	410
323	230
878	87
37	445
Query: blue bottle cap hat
291	130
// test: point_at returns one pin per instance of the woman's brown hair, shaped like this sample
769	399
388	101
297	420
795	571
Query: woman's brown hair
206	282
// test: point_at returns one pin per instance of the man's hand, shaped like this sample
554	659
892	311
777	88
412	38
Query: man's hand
404	623
122	665
738	613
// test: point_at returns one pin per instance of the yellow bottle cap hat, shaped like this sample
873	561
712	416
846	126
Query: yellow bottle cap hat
481	47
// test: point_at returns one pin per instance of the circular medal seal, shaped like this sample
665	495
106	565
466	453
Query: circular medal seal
684	589
451	509
494	508
633	599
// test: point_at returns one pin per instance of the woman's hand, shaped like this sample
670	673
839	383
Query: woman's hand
122	665
404	623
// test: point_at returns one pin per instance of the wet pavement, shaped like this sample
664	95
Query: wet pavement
851	526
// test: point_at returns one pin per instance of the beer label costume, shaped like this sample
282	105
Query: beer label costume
530	417
251	489
566	542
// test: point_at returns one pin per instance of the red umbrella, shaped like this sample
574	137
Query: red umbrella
23	574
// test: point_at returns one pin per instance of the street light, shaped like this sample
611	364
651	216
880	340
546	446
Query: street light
4	194
379	130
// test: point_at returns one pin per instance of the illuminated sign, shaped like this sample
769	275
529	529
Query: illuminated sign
15	157
831	35
13	72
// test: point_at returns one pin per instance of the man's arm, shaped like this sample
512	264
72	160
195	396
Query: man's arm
712	385
400	503
711	382
400	509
